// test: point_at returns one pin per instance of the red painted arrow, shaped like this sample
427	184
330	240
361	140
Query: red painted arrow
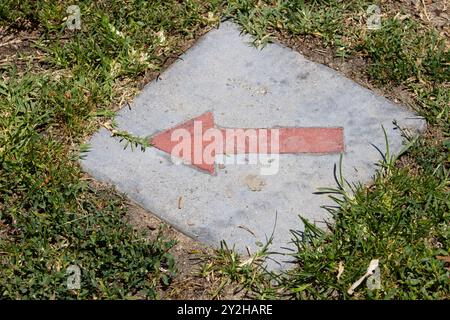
201	137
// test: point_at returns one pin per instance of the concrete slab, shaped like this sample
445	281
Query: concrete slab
245	87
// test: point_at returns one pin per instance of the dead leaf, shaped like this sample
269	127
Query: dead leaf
372	266
254	183
446	260
340	269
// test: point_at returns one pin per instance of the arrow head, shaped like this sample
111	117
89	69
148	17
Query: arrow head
168	140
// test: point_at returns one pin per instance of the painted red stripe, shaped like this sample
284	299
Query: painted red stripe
311	140
291	140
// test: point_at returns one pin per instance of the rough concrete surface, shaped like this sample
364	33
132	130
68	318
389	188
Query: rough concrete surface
250	88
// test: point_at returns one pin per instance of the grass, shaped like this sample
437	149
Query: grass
51	216
402	219
403	52
56	93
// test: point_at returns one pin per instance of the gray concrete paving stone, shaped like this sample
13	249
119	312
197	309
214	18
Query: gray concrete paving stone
250	88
